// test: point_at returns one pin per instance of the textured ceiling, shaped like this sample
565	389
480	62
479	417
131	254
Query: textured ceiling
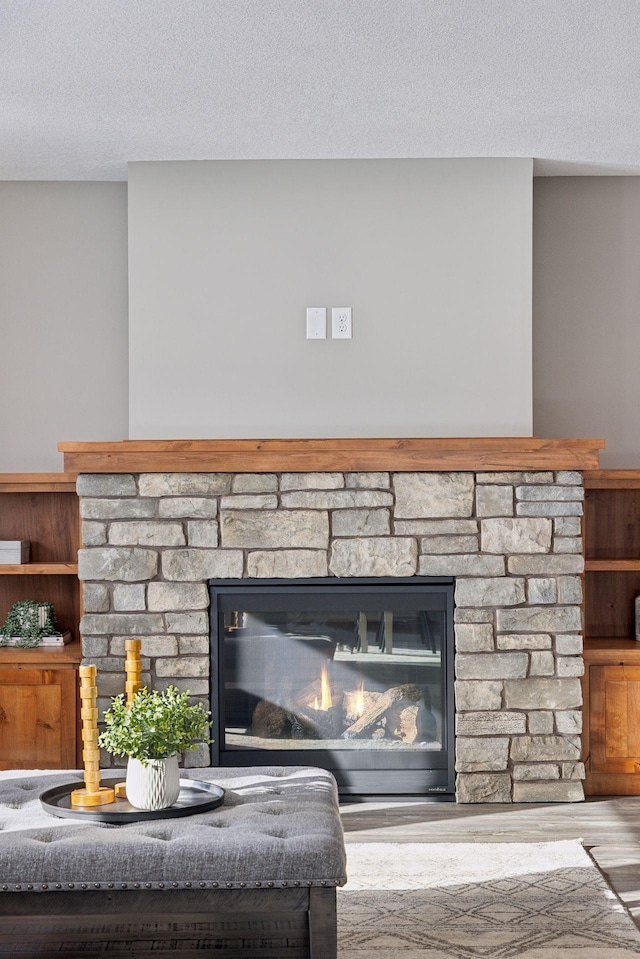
87	85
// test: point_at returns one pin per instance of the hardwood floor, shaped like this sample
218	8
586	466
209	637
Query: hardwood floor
609	828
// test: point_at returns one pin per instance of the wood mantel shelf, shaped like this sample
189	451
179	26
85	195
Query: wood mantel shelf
321	455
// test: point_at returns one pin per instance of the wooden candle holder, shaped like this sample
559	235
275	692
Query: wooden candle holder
132	668
133	671
93	793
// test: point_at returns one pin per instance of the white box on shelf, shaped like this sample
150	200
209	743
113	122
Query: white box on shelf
14	551
50	641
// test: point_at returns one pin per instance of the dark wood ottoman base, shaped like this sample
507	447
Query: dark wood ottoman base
254	879
243	924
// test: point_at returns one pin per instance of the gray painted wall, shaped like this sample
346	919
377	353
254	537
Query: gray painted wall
586	308
434	257
63	319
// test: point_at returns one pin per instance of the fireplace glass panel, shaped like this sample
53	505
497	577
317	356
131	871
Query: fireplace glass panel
343	670
339	679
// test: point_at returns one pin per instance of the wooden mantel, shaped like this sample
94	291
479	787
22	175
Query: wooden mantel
322	455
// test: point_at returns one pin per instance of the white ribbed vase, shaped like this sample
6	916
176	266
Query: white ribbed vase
154	786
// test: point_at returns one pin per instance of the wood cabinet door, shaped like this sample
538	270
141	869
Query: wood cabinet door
37	718
615	719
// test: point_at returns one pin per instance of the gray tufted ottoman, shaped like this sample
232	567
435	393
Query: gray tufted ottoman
255	878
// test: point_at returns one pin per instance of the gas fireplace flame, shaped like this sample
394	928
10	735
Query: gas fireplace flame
325	702
359	700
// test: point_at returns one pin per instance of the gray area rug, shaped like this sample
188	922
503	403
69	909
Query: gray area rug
480	901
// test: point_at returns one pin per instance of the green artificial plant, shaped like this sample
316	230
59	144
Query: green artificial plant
156	725
29	622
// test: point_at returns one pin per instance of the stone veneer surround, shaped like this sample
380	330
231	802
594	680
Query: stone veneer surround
511	539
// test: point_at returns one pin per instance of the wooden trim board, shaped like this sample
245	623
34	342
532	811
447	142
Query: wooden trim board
612	479
37	483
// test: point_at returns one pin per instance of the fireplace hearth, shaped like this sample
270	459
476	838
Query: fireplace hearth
354	675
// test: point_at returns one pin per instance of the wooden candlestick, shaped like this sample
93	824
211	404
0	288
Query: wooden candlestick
132	668
133	671
93	793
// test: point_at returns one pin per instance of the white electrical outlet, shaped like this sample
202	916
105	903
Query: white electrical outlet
341	328
316	322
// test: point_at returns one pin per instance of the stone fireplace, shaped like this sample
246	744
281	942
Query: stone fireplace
510	538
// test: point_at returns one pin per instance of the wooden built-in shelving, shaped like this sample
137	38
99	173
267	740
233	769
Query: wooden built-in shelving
612	553
42	508
39	706
611	684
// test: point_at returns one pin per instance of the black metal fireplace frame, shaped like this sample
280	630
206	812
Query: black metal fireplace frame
423	773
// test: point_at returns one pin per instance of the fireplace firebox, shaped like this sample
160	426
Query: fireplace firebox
354	675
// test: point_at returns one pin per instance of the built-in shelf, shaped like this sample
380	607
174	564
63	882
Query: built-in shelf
612	479
40	655
37	483
39	569
620	565
610	643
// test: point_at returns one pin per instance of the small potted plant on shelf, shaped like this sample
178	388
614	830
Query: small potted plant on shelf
151	731
31	624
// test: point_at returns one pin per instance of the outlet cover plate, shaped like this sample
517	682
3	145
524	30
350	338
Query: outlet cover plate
316	322
341	327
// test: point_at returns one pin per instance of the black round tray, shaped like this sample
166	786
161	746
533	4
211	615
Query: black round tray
195	796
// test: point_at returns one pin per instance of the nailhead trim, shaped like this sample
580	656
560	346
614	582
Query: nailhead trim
175	884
